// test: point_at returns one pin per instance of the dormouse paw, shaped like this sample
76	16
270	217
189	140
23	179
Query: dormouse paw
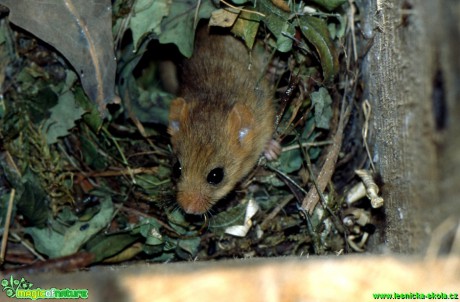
272	150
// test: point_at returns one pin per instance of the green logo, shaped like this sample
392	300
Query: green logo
11	286
22	289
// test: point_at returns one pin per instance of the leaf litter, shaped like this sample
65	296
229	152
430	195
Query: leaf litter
104	186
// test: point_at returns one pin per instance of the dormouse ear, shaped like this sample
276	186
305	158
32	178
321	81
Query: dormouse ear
241	123
177	113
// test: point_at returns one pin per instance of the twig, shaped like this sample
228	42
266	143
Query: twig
303	145
372	190
275	211
242	9
288	181
456	242
11	163
120	151
438	236
293	83
7	226
63	264
131	172
311	232
315	184
333	151
124	25
351	15
367	114
197	11
142	214
27	246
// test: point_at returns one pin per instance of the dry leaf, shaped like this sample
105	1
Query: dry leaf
82	31
223	18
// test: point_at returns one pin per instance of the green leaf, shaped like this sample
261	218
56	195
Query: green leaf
278	23
147	17
63	117
239	2
162	258
92	118
67	241
40	104
91	155
233	216
246	27
329	4
190	246
338	30
177	221
152	106
321	101
285	40
314	152
32	199
179	26
307	132
151	231
317	33
104	246
291	160
68	217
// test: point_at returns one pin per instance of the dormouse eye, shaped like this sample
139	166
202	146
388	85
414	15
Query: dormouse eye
215	176
177	170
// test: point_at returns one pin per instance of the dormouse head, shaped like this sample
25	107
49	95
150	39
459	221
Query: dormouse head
214	147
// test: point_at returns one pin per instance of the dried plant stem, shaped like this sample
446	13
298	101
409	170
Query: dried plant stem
7	226
197	11
135	171
303	145
275	211
242	9
438	236
28	246
367	115
351	16
333	151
